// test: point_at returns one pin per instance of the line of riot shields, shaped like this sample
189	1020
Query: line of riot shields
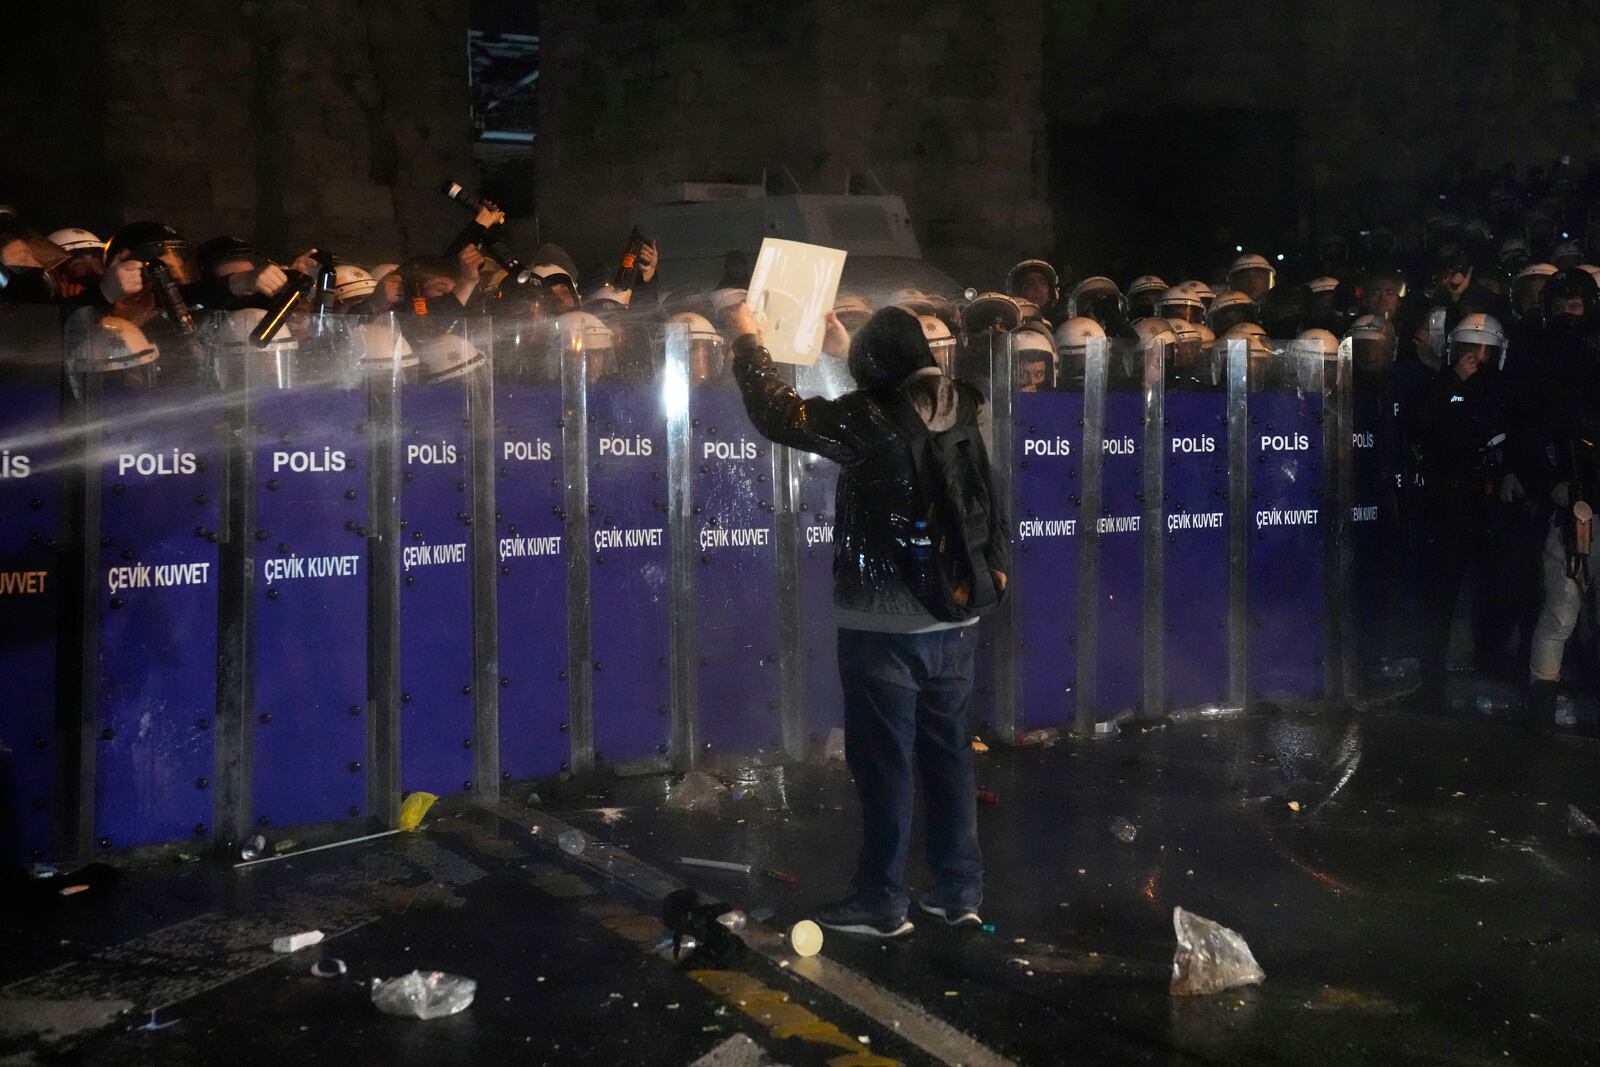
251	587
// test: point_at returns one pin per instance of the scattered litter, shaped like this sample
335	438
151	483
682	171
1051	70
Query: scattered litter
733	921
1020	962
1552	938
609	816
951	993
296	942
332	968
1294	805
286	845
805	937
987	928
781	876
572	842
1579	824
715	865
1044	737
697	792
151	1026
978	745
253	848
1475	879
1123	830
987	795
413	808
1210	957
74	890
673	946
864	1039
426	996
1109	728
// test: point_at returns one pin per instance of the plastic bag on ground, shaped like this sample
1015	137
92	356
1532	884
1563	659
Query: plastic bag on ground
430	995
697	792
1210	957
413	808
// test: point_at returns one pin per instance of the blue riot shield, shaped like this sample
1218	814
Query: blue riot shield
630	563
310	465
1119	534
34	460
1375	537
156	462
1288	523
531	563
735	576
1195	540
436	664
1047	473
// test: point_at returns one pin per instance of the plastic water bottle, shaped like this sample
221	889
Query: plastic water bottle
572	842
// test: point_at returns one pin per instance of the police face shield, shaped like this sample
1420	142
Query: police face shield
1252	282
708	360
1034	286
1182	310
1104	308
1143	305
1035	372
1372	357
108	355
178	257
1468	359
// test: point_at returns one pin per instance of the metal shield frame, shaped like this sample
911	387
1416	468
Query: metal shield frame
1096	359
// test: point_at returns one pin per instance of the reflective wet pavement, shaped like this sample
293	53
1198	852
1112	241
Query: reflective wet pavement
1407	882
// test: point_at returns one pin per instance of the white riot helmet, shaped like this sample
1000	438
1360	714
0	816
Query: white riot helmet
1032	266
1539	270
1370	328
941	342
1201	291
1187	340
1031	312
1034	337
1372	343
991	311
1315	344
99	344
1146	285
1076	334
852	312
448	356
1208	340
1324	284
707	350
233	354
1095	297
1251	261
1478	329
352	283
1231	308
1154	331
579	330
1180	303
76	241
610	294
385	348
1254	337
383	270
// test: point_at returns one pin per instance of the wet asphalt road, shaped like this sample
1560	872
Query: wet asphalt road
1424	904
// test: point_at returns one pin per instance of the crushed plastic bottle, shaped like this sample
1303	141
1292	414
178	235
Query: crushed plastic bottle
430	995
1579	824
1210	957
733	921
572	842
1123	830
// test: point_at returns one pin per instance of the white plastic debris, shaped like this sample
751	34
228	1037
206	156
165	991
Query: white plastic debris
1579	824
430	995
296	942
697	792
1210	957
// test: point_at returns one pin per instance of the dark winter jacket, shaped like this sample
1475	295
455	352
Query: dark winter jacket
875	496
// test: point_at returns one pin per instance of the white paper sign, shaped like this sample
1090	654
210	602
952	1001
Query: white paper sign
793	288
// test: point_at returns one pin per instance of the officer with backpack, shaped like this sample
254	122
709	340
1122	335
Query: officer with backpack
920	551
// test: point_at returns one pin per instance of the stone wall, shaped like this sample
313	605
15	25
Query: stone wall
296	122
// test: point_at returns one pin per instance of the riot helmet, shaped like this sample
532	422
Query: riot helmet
1144	292
990	312
1372	344
708	359
1566	255
1324	285
153	241
222	256
941	342
1034	350
1252	275
1527	290
586	337
448	356
1073	339
109	348
1514	253
1315	343
852	312
1180	303
1202	292
78	242
352	284
237	361
1478	340
1097	298
1571	293
1231	308
1035	280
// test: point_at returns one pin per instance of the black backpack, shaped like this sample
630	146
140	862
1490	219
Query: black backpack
944	552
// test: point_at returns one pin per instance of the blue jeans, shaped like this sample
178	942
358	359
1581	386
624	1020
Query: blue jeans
905	698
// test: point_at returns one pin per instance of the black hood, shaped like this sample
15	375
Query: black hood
889	349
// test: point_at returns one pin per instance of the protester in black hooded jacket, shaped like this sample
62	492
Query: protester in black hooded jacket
907	676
